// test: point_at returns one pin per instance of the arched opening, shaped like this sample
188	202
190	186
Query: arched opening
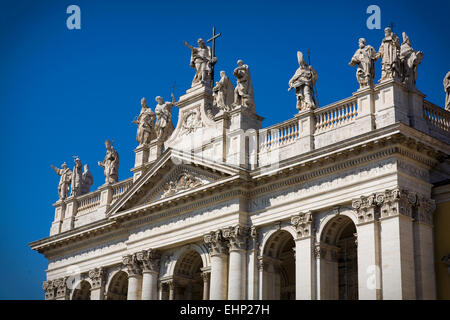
278	267
338	262
82	291
118	288
188	281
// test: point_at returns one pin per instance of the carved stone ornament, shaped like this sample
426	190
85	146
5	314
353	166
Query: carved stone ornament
184	182
150	260
365	208
237	237
303	224
49	289
217	244
132	265
319	251
97	276
61	287
425	209
192	120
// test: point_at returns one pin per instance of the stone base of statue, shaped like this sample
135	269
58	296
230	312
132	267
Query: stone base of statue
145	155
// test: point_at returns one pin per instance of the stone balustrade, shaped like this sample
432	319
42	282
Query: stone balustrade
436	116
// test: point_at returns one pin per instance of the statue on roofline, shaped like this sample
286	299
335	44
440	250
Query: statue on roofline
303	82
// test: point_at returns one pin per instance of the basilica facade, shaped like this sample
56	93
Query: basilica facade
338	202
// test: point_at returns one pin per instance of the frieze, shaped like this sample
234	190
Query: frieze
302	190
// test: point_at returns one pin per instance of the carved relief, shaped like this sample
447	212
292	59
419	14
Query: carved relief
185	181
192	120
49	289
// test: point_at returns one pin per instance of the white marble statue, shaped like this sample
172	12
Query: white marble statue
110	164
243	93
64	181
146	124
202	61
447	91
303	82
409	60
76	178
87	180
389	52
223	93
364	58
163	111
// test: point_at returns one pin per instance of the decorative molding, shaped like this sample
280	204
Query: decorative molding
365	208
62	291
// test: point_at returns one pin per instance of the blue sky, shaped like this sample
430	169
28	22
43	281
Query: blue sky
64	92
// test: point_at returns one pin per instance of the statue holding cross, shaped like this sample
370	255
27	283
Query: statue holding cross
203	60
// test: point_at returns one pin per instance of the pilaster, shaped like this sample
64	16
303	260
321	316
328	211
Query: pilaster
306	125
69	214
304	256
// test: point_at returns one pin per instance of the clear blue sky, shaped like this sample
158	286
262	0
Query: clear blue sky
63	92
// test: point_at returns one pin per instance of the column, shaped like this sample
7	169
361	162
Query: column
219	264
368	235
171	286
206	276
252	260
150	261
262	267
424	249
304	257
134	277
397	245
97	276
237	237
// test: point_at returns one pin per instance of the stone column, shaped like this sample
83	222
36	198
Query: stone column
206	276
49	289
171	286
304	257
237	281
320	252
424	249
97	276
134	277
150	260
219	264
62	292
368	233
397	244
262	267
252	281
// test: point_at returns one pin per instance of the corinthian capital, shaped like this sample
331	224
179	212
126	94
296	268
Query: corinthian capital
132	265
397	202
365	208
61	287
303	223
97	276
216	242
49	289
150	260
237	237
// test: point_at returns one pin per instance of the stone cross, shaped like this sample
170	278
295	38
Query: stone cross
213	52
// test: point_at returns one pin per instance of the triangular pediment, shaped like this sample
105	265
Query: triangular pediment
173	174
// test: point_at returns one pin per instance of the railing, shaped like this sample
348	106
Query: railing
121	187
279	134
336	114
436	116
88	202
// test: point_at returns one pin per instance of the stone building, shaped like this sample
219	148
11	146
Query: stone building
335	203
